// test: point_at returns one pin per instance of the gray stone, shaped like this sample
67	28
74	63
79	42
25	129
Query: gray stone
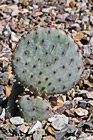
35	127
17	120
60	122
38	134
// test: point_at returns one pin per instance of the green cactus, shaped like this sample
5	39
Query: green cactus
32	109
48	61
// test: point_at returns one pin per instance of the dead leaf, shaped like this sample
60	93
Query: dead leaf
79	36
8	90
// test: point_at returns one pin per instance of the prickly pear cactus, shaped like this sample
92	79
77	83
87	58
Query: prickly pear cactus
34	108
48	61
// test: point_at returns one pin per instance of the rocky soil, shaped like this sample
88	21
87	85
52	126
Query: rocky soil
73	119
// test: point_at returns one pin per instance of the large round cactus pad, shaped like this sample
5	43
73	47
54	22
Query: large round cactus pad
48	61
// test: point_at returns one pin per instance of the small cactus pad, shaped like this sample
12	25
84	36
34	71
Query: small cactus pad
48	61
32	109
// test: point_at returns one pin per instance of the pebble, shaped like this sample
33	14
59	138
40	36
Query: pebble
91	41
14	37
16	131
49	138
89	138
60	122
81	112
23	128
38	134
35	127
14	9
62	133
2	116
17	120
82	104
86	50
89	95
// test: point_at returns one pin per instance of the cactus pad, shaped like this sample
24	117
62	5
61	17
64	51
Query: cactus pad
34	108
48	61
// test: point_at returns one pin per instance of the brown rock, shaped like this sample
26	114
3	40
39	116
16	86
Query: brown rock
81	112
49	138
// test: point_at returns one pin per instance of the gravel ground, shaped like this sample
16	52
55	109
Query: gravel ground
73	119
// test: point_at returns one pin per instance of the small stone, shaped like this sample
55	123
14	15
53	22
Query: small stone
12	128
89	95
82	104
86	50
47	10
60	122
38	134
51	130
12	138
23	128
91	41
16	131
89	138
4	78
62	133
35	127
14	9
37	14
90	103
71	129
71	17
49	138
2	136
14	37
17	120
2	116
81	112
